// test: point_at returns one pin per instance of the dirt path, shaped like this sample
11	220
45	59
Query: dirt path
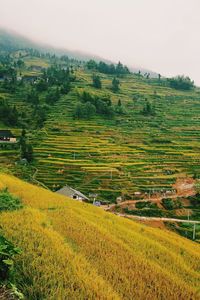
184	187
38	182
156	219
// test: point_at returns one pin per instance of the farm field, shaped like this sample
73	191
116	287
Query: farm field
75	250
116	156
99	161
129	153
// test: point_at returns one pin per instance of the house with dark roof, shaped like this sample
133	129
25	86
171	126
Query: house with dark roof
72	193
6	136
30	78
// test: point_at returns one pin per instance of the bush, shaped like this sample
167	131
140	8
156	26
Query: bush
148	109
52	96
8	115
145	212
7	251
145	204
105	68
181	83
96	81
8	201
84	110
102	105
171	204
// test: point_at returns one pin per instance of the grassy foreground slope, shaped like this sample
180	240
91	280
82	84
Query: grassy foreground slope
76	251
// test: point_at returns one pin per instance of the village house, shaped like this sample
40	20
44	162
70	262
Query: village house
7	136
30	78
7	139
72	193
36	68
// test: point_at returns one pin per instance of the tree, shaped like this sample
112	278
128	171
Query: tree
181	83
119	103
84	110
52	96
89	110
20	63
40	117
96	81
29	153
41	85
65	88
26	149
9	115
33	97
148	109
91	65
105	68
115	84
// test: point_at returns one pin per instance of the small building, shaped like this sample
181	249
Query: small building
30	78
8	140
72	193
97	203
36	68
119	199
137	193
6	136
19	78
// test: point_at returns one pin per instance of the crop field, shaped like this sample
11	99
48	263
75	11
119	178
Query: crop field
128	153
119	156
77	251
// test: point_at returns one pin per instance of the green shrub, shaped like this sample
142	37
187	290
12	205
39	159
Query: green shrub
145	212
181	83
7	251
145	204
8	201
171	204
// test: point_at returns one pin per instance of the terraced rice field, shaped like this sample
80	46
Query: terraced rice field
129	153
73	250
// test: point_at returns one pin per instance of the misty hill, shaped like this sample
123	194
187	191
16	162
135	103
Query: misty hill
101	129
11	41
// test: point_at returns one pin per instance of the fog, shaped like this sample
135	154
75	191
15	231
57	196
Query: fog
161	35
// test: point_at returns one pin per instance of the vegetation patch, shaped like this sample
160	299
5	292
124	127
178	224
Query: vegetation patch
66	249
171	204
9	201
8	289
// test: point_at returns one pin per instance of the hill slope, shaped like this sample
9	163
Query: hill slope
118	156
12	41
76	251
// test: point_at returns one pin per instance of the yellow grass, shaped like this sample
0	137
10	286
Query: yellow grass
73	250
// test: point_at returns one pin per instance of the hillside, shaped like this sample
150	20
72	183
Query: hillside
12	41
73	250
122	154
140	138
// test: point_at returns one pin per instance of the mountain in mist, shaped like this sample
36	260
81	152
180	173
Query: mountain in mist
12	41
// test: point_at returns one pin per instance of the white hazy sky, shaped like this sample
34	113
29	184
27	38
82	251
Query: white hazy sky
161	35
